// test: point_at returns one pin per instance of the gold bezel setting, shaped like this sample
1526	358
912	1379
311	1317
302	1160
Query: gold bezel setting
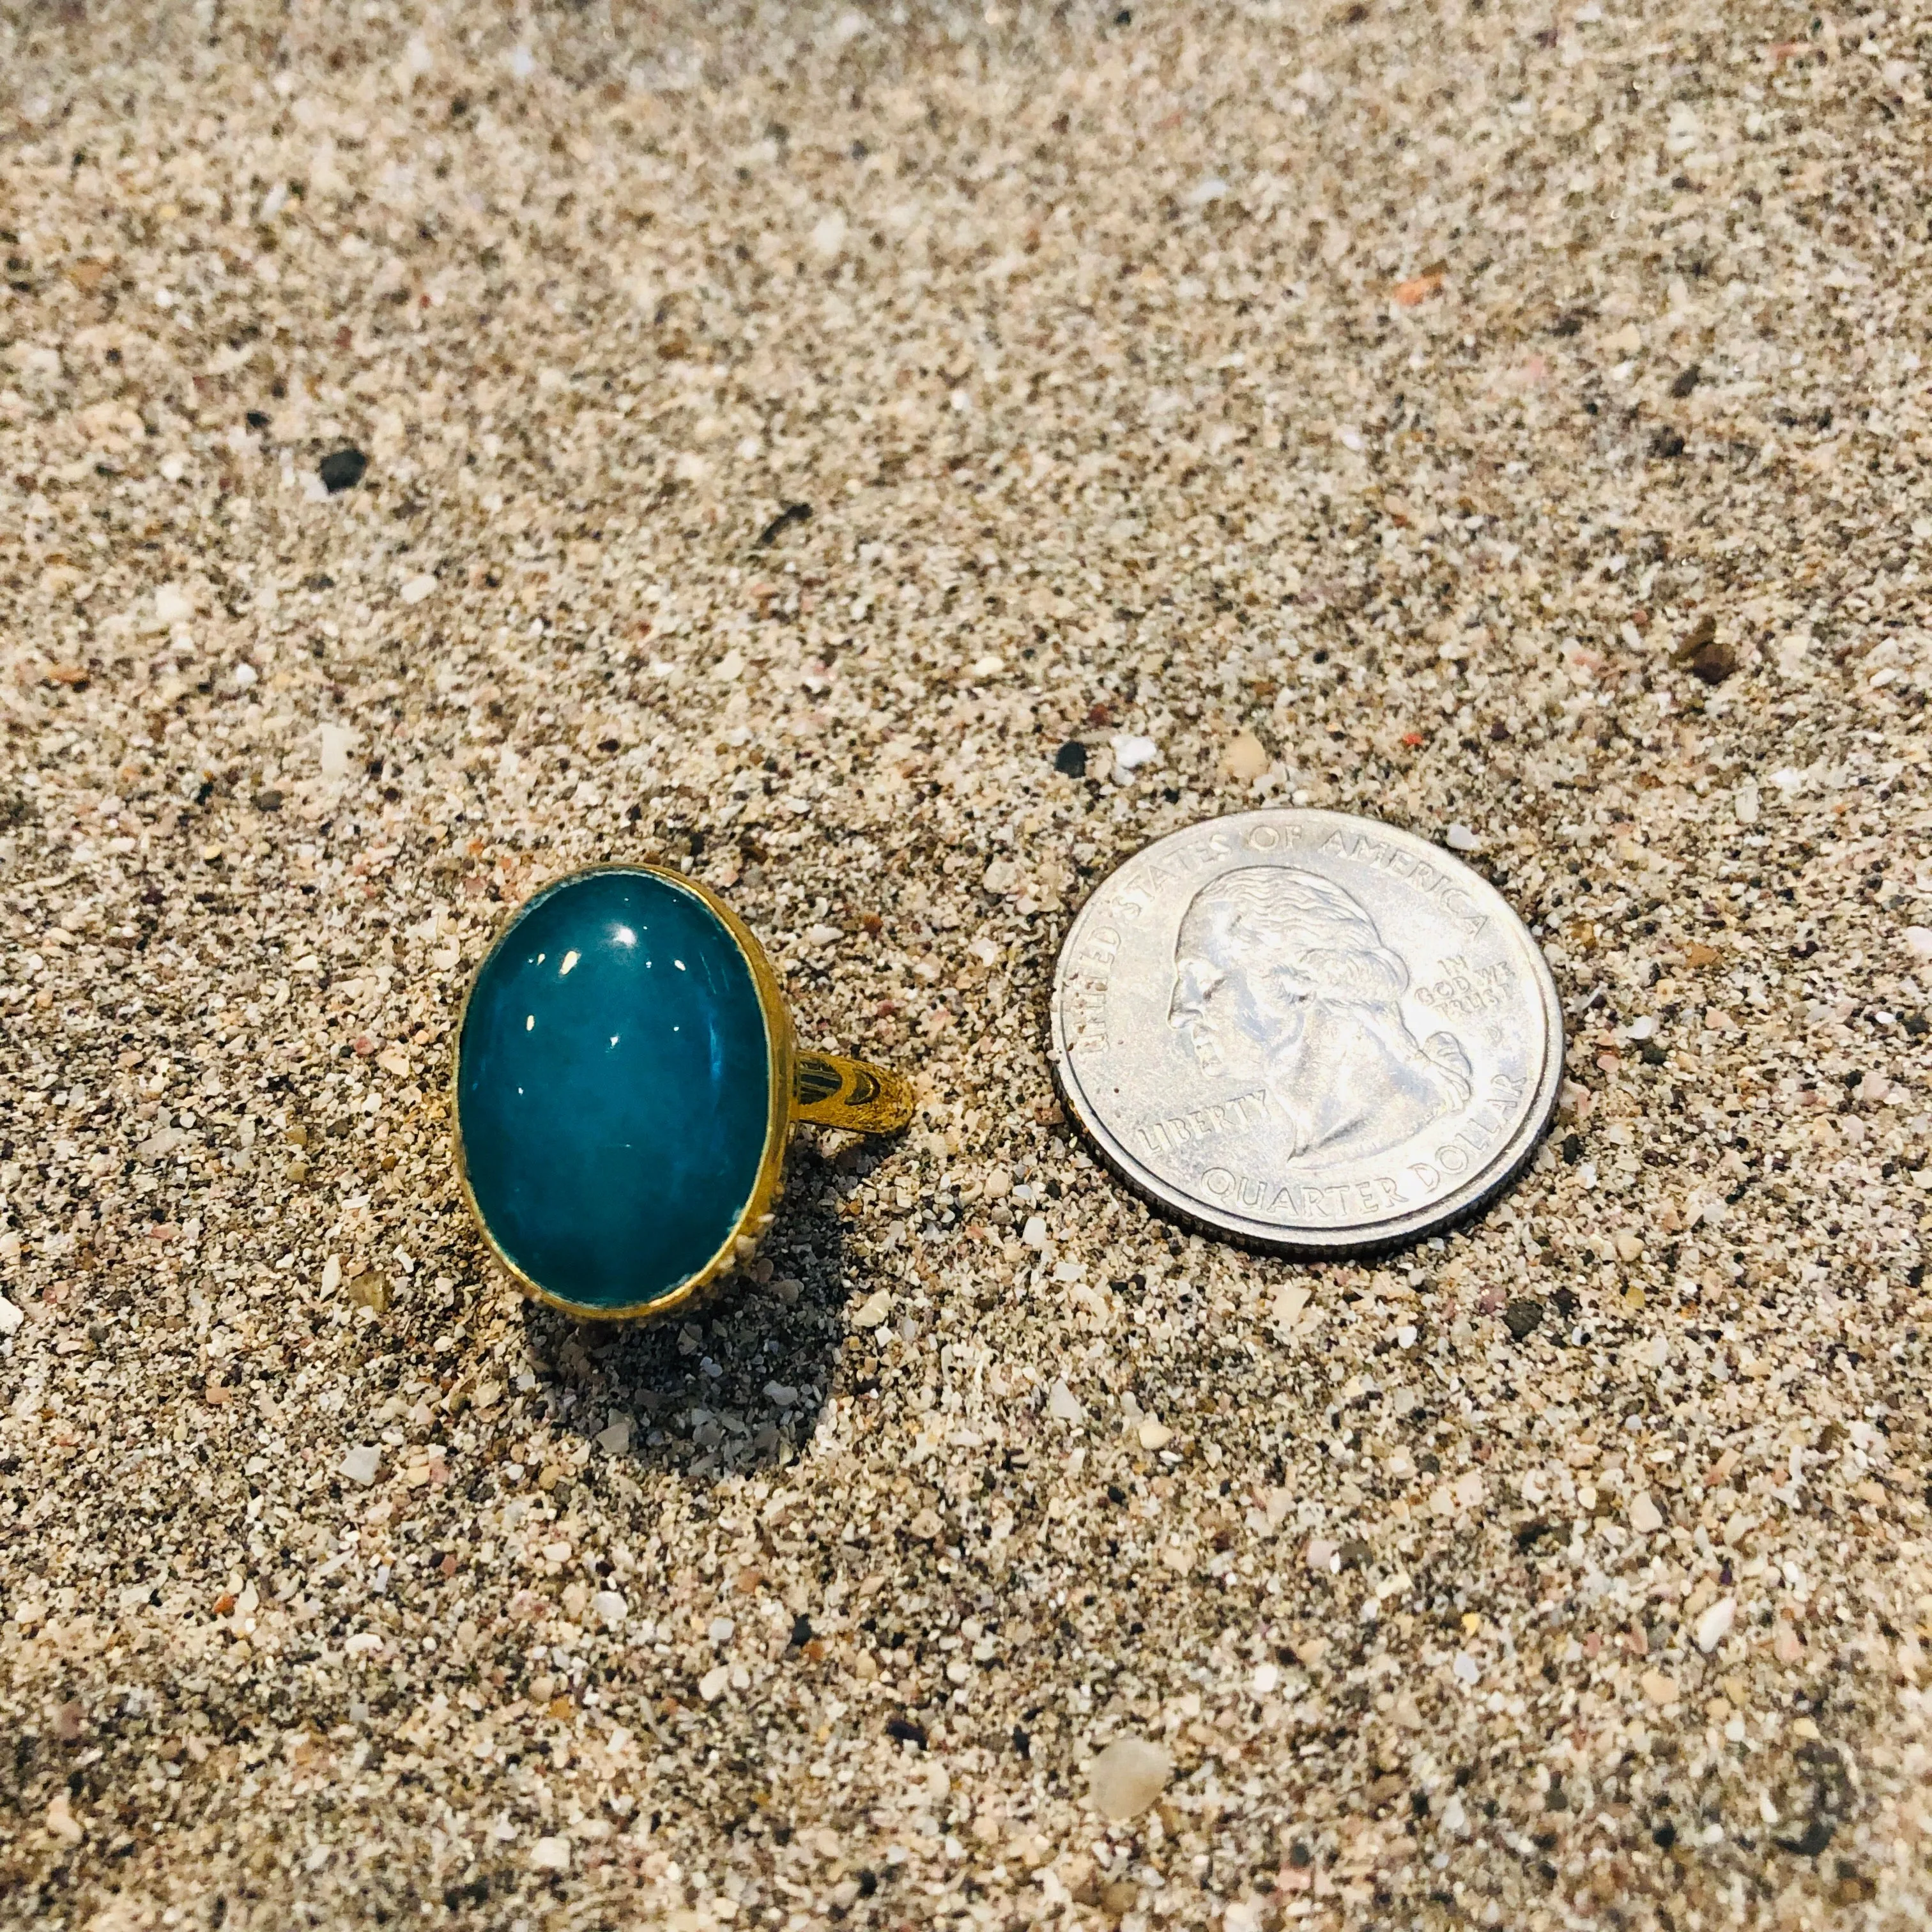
739	1245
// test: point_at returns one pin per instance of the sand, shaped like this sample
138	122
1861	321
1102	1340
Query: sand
780	433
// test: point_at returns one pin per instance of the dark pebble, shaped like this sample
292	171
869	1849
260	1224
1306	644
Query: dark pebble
906	1731
1707	655
268	801
342	470
1071	758
1713	663
1522	1314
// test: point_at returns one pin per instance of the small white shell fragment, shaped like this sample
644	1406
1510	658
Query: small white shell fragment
1714	1625
1064	1405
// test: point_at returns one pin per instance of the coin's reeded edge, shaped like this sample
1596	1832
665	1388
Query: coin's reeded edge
1365	1238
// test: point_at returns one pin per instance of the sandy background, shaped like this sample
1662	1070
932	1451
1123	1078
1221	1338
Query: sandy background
785	429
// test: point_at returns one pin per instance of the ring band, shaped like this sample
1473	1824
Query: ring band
626	1076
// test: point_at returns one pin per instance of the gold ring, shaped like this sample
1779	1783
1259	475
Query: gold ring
625	1077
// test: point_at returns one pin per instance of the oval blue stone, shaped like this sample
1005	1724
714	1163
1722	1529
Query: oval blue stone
614	1088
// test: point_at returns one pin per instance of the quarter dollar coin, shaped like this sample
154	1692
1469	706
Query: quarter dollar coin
1306	1031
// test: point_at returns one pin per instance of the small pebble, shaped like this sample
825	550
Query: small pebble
1127	1777
1460	838
360	1466
1071	759
61	1824
1245	757
342	470
1644	1517
1521	1314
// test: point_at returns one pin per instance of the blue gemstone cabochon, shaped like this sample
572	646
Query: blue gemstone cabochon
614	1088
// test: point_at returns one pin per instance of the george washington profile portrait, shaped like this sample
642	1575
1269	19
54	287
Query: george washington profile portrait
1282	980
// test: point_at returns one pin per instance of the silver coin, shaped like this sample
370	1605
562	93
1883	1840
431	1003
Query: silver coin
1306	1031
